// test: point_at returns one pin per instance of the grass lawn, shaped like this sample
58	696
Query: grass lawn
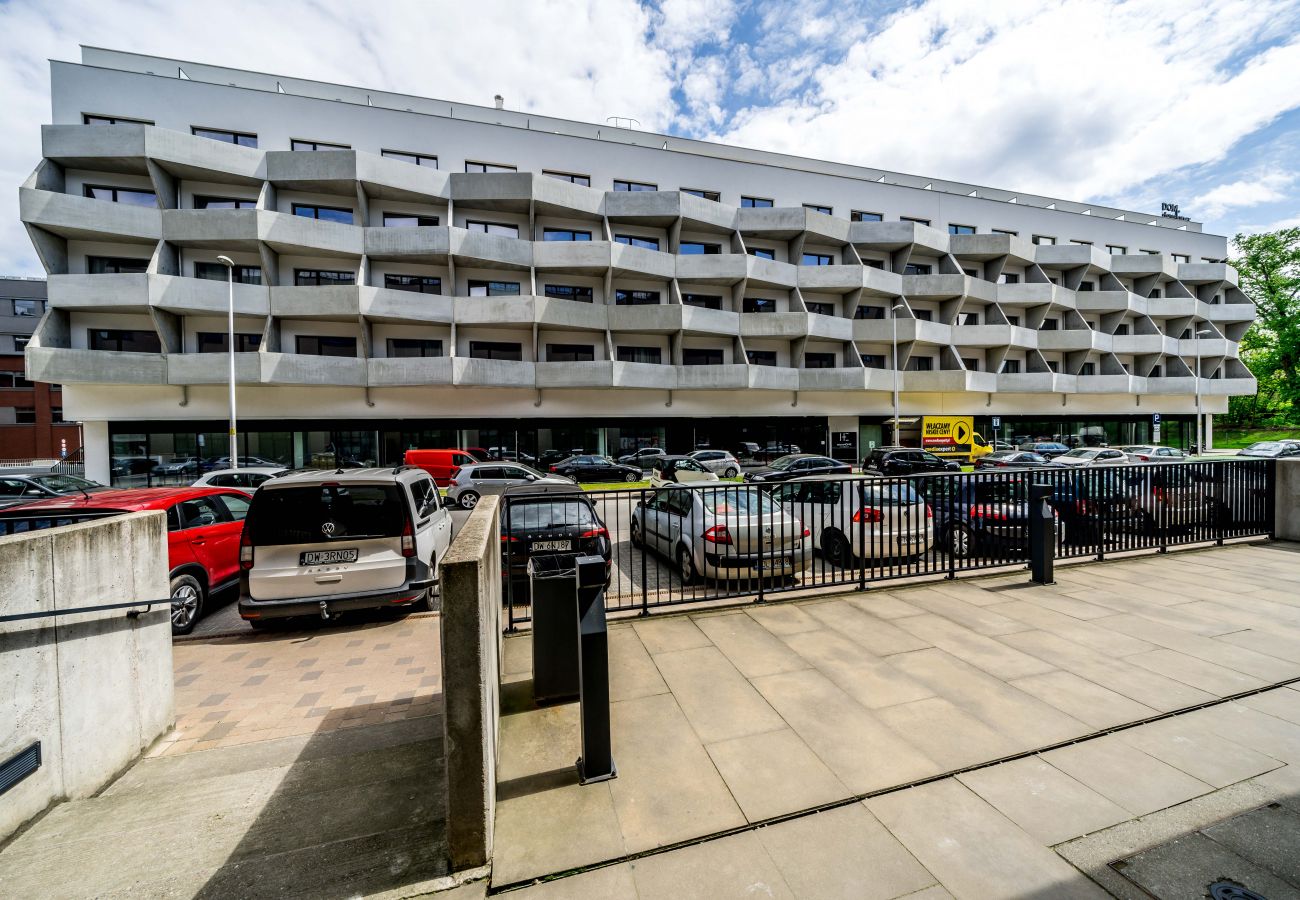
631	485
1236	438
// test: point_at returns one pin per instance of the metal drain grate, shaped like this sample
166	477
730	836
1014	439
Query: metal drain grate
18	767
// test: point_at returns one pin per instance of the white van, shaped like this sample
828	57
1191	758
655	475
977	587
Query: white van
323	542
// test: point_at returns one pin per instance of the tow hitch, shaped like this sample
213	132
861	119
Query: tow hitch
324	611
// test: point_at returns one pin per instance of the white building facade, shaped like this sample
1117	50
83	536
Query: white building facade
412	272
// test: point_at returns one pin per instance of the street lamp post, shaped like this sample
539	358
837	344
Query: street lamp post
230	353
893	317
1200	447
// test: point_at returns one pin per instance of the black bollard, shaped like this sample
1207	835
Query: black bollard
1042	534
597	760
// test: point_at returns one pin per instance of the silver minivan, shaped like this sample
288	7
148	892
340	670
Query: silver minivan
473	481
323	542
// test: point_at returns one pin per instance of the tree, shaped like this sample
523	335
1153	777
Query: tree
1268	270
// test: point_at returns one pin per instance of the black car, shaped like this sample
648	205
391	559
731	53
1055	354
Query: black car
643	457
798	465
905	461
978	516
565	524
774	450
1046	449
590	467
551	457
1011	459
25	487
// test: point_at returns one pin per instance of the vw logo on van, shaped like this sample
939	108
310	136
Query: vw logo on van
327	528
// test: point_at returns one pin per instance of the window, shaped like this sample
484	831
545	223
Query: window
815	207
20	344
215	342
1011	367
923	315
1011	278
1013	320
873	360
322	277
1087	285
960	229
817	259
911	219
1054	365
922	364
485	168
968	318
503	229
14	380
1116	250
296	144
495	350
413	348
635	298
632	240
578	292
696	248
759	357
324	213
1156	372
702	301
493	288
971	363
408	220
758	305
24	417
88	119
227	137
634	186
416	284
762	253
859	216
698	357
917	269
129	196
115	265
755	203
1079	243
570	353
1150	252
1088	369
1181	258
819	360
640	355
584	180
210	271
1006	232
565	234
1154	294
201	202
869	312
1051	324
706	195
326	345
27	307
874	264
125	340
416	159
1043	239
821	309
1121	328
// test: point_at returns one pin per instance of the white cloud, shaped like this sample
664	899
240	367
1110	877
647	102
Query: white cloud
1261	187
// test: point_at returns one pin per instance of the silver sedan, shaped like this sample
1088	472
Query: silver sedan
720	462
473	481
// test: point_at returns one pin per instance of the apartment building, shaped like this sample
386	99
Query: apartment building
414	272
31	412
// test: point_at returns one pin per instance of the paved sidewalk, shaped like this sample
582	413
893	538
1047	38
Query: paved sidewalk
724	720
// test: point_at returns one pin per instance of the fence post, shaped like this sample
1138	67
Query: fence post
645	551
950	499
761	542
508	556
860	487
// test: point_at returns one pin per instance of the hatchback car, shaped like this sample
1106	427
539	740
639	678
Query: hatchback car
720	461
589	467
472	482
1047	449
667	470
1010	459
642	457
731	533
905	461
978	515
1272	449
181	467
1143	453
320	543
564	522
550	457
797	465
855	518
18	486
1087	457
248	479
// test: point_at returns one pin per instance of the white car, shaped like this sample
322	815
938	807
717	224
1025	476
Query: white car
720	461
854	518
250	477
316	543
1142	453
1088	457
666	470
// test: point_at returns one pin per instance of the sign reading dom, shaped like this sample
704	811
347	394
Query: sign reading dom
1171	211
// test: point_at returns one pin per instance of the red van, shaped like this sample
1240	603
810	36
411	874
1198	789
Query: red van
441	464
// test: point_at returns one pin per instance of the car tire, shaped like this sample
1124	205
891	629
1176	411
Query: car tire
730	473
631	477
186	603
836	549
961	542
686	567
467	500
635	536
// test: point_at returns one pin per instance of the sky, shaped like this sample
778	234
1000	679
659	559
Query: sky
1125	103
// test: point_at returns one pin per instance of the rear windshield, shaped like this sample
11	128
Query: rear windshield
314	513
536	515
737	501
889	495
64	484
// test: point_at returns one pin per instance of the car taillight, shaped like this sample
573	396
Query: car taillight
455	470
509	539
595	533
1144	458
245	550
553	469
1081	507
1159	494
987	512
929	513
868	514
718	534
408	539
807	532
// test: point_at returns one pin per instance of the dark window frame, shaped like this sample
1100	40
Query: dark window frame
703	194
88	189
577	293
434	282
756	202
706	249
242	274
636	240
917	220
245	342
702	301
627	353
482	226
205	201
761	357
322	342
956	228
817	207
758	305
490	288
817	259
303	145
491	349
422	220
117	335
570	353
117	262
313	277
573	235
237	138
637	297
571	177
299	209
820	360
634	187
112	120
406	156
423	345
712	354
487	168
860	215
762	253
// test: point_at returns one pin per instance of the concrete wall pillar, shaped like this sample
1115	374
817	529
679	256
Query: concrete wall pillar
94	436
1287	500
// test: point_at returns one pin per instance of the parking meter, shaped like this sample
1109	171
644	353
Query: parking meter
1042	534
597	760
554	583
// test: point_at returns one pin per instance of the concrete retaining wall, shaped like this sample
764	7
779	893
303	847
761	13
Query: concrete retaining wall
94	688
1287	506
471	683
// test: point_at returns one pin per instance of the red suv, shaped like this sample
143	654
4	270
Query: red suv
203	526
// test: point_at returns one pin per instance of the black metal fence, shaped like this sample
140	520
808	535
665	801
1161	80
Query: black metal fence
688	544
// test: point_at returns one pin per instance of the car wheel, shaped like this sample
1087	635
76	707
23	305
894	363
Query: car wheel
686	567
636	535
837	550
631	477
429	601
187	603
730	473
961	542
468	500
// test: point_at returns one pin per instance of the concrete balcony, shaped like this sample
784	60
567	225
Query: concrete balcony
773	378
1034	383
553	197
103	293
126	147
710	321
474	248
1228	387
333	172
982	247
830	279
392	179
121	149
1173	307
933	287
651	376
699	214
220	229
780	223
726	377
501	373
499	191
573	257
909	329
720	268
1206	273
1108	301
657	319
552	313
428	244
896	235
843	379
1032	294
408	372
61	365
1139	264
596	374
1141	344
830	328
1177	385
770	273
212	368
940	381
992	336
638	262
387	305
1070	256
1210	346
779	325
880	283
658	209
295	368
499	312
1108	384
1228	312
338	303
1073	339
81	218
200	296
299	235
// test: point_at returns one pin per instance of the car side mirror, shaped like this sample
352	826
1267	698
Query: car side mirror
530	478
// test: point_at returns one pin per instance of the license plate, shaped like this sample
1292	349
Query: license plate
552	545
325	557
768	565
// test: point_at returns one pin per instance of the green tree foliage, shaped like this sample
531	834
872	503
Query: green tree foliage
1268	269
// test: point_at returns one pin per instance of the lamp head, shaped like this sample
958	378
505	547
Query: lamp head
227	260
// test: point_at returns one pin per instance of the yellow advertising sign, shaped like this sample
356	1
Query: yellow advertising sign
947	434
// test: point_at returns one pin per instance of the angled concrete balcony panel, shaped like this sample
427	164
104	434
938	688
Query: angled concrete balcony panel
553	197
574	257
842	379
773	378
552	313
944	381
474	248
780	223
222	229
1206	273
710	321
989	335
1172	307
638	262
392	179
386	305
1138	264
831	328
1106	301
1210	346
108	293
427	243
1138	343
1228	387
822	228
596	374
770	273
1177	385
1228	312
883	235
287	233
203	159
501	191
124	148
720	268
1029	293
655	208
324	172
407	372
883	380
657	319
908	330
112	148
297	368
880	283
1033	383
338	303
81	218
493	373
1070	256
1107	384
651	376
979	289
65	366
933	287
779	325
498	312
699	214
983	247
200	296
829	279
726	377
212	368
1073	339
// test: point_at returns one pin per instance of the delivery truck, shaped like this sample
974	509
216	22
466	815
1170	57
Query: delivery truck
949	437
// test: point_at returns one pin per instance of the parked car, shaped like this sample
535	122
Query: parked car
1094	505
131	465
213	463
250	479
1046	449
590	467
508	454
1003	445
720	461
1092	456
906	461
797	465
440	464
480	454
1010	459
18	486
667	470
203	526
1272	449
1142	453
976	516
746	450
319	543
1171	500
565	522
715	533
855	518
551	457
183	467
642	457
473	481
774	450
